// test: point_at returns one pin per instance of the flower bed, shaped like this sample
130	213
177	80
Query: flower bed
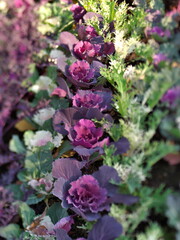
94	136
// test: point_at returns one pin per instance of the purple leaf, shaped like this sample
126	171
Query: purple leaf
61	63
82	151
108	48
67	40
78	12
123	198
64	119
104	175
97	66
106	228
58	188
63	85
66	168
89	216
122	146
61	234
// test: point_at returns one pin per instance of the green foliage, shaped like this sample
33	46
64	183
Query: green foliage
37	163
34	199
54	18
148	199
115	132
34	73
160	83
52	72
87	226
59	103
153	232
65	147
41	95
15	145
157	5
109	158
56	212
27	214
16	190
10	232
28	236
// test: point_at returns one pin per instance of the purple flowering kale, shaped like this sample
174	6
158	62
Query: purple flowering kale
105	228
87	195
85	134
7	210
78	12
171	96
81	71
158	33
86	50
93	99
159	58
81	74
86	33
81	131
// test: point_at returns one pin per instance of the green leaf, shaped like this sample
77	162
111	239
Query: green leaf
47	126
52	72
28	135
59	103
16	190
16	145
27	214
10	232
33	199
65	147
56	212
112	11
35	75
37	163
22	175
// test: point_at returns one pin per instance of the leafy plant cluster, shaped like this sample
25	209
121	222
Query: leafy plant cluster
108	89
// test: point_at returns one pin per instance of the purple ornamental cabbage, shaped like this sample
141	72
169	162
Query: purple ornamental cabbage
85	134
159	58
106	228
171	96
86	33
78	12
93	99
81	71
87	195
86	50
158	33
82	74
72	121
81	131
